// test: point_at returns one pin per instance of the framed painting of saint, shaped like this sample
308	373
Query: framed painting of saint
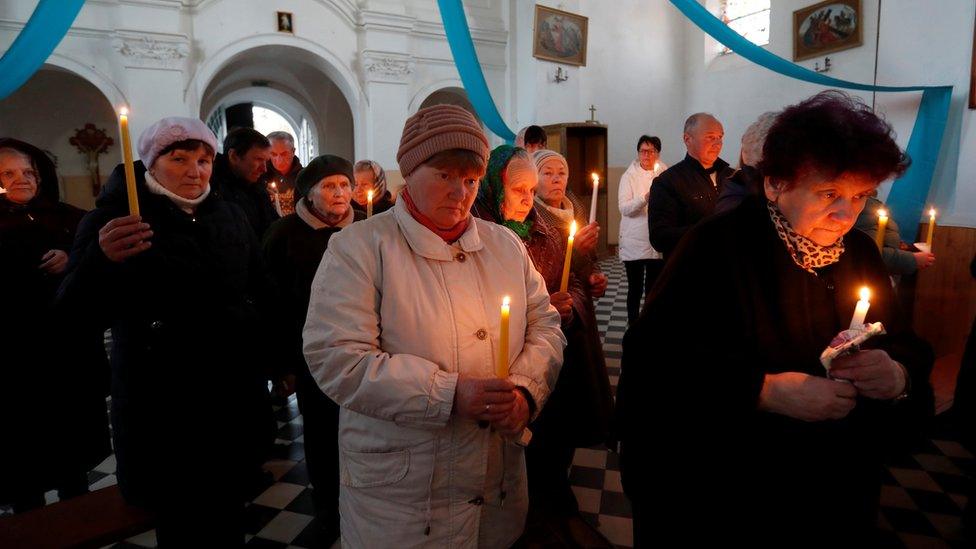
827	27
559	36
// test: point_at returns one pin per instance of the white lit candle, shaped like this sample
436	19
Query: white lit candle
564	284
369	203
502	369
861	309
130	171
882	225
596	185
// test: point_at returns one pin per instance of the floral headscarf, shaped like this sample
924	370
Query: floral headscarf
379	183
492	190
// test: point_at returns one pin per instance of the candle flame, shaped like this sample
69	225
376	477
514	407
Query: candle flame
274	185
505	301
124	111
596	178
572	229
932	213
865	294
882	213
369	194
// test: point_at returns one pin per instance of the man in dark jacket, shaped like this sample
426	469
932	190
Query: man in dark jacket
283	169
237	174
686	193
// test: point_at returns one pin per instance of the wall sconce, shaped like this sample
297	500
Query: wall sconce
560	75
826	67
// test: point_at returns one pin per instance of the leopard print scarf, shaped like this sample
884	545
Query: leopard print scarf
807	254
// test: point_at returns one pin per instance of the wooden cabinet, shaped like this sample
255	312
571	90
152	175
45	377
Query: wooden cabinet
585	147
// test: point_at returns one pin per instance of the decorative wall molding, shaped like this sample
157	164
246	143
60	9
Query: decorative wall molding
381	66
149	51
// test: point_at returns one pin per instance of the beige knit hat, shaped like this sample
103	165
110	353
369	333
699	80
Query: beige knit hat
437	129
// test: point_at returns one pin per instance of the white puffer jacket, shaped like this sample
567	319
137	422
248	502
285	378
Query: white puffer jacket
635	185
395	315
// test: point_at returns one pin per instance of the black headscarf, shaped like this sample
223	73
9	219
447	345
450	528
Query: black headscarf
47	187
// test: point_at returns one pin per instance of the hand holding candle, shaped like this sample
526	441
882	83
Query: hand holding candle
596	186
564	284
882	225
369	204
861	309
502	369
130	172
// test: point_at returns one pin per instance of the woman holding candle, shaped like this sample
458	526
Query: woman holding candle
558	206
184	291
53	424
578	412
370	176
723	366
641	261
293	249
402	333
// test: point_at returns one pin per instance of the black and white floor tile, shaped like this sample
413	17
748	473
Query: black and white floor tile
922	497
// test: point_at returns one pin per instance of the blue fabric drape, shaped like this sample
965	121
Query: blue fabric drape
42	33
468	66
907	198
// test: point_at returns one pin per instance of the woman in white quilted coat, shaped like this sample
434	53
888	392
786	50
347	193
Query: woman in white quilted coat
641	261
403	333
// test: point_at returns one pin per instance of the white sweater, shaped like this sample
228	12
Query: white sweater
635	186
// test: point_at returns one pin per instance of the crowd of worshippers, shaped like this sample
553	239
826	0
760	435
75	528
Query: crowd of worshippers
247	269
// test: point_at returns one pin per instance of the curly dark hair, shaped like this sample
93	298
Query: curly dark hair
832	133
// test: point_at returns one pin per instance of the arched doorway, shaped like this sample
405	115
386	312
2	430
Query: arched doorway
289	82
57	94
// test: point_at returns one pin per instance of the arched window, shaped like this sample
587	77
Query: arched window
750	18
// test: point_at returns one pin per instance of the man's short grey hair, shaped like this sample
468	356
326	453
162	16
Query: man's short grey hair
282	136
692	122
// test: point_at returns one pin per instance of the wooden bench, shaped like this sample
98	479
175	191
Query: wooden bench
95	519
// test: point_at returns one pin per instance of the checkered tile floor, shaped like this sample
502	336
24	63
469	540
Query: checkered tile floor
921	500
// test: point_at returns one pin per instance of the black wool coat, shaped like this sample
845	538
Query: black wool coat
53	419
680	197
293	251
252	198
191	342
730	307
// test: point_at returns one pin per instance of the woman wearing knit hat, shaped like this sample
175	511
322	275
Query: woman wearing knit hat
370	176
293	249
403	333
182	288
579	409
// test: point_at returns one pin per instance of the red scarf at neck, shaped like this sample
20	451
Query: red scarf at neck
448	235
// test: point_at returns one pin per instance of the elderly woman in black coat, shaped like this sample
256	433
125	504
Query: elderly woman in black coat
53	421
183	288
293	249
730	419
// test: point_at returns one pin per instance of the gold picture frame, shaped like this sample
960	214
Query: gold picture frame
827	27
559	36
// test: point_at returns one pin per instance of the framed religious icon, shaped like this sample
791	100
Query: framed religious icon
285	22
827	27
559	36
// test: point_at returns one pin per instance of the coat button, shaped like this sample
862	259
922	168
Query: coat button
156	324
830	286
460	257
482	334
477	501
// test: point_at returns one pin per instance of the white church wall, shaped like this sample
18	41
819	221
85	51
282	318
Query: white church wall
912	52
